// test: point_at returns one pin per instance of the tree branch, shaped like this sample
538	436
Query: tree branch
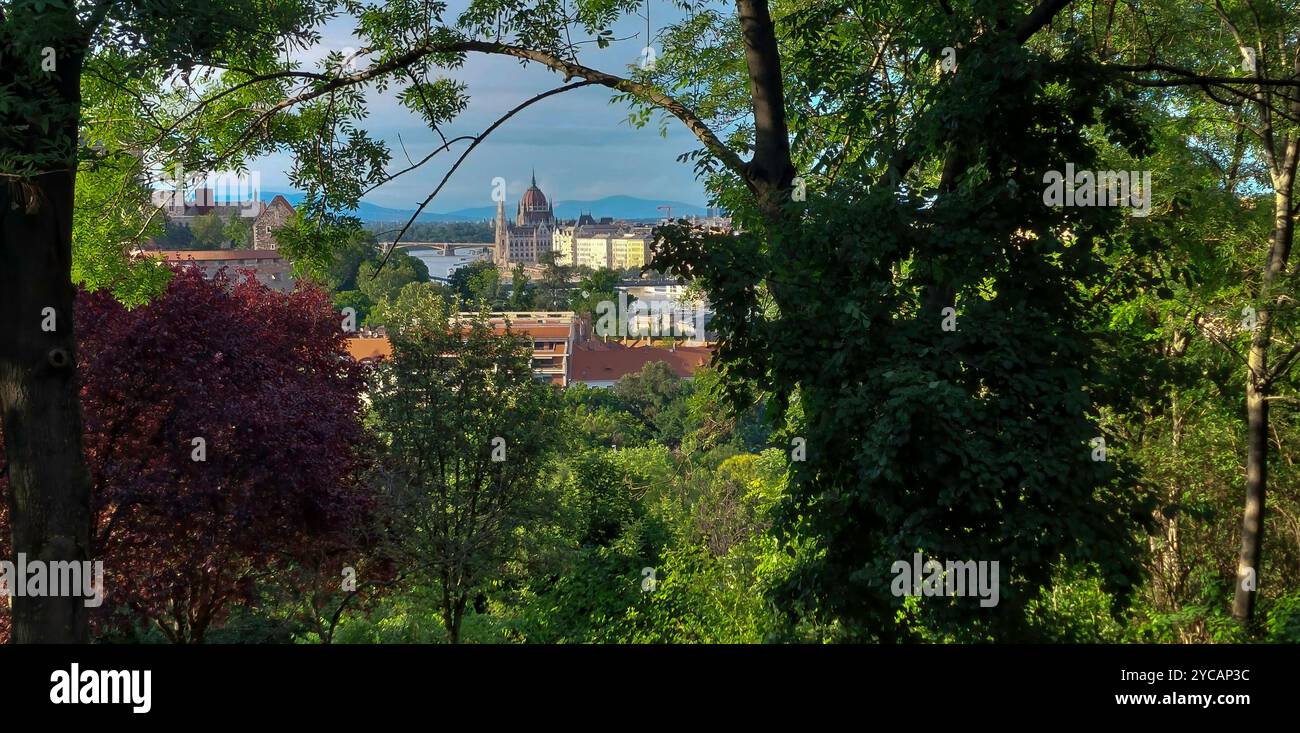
570	70
477	139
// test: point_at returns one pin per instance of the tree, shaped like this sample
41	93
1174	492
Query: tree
466	429
485	287
907	432
1253	115
209	231
347	260
658	397
110	219
44	50
357	301
475	283
203	476
385	284
553	291
521	291
239	232
599	286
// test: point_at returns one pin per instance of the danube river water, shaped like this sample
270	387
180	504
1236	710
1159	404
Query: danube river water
441	266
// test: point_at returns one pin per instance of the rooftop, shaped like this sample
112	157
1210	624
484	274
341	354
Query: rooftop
597	361
177	255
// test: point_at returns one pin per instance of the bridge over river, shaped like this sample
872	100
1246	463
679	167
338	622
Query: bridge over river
444	248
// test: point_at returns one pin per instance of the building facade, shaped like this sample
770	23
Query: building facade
604	244
182	209
529	235
274	216
270	268
553	335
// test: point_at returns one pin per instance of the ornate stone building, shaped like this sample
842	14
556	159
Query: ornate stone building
274	216
530	234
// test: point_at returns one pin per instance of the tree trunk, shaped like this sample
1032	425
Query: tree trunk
49	486
1252	520
770	171
1258	383
40	408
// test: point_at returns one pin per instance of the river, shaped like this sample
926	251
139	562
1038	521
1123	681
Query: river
441	266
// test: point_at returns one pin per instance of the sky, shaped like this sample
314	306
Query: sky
579	143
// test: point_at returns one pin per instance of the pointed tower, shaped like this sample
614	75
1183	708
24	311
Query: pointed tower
502	236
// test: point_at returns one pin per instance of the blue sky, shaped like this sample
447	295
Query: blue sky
580	144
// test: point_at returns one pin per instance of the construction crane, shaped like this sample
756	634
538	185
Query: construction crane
668	212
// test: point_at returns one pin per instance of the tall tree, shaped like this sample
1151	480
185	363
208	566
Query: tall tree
914	305
466	428
209	231
521	291
1258	105
45	51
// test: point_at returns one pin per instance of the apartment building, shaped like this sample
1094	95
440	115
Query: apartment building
552	333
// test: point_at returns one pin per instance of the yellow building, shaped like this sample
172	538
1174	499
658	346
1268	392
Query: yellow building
619	246
629	250
562	243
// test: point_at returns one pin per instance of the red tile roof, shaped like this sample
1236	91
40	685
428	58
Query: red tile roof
180	255
596	361
369	348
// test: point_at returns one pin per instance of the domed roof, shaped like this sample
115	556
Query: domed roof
533	197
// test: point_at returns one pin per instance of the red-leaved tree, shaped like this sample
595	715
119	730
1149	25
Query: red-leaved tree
222	427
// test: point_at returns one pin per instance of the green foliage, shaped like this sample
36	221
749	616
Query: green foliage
238	232
970	443
410	616
478	284
656	396
356	300
696	523
552	291
521	292
441	231
209	231
387	283
465	429
1284	619
109	221
594	288
348	258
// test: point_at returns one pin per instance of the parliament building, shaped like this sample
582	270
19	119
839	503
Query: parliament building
530	234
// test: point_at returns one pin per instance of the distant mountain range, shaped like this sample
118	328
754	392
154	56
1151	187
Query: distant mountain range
619	207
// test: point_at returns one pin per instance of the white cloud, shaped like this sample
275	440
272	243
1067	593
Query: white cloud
580	145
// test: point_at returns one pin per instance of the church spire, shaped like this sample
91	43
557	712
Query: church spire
534	178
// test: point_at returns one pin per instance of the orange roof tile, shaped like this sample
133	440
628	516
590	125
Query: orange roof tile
180	255
602	362
369	348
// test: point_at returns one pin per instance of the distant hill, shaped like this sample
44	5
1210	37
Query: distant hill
619	207
372	212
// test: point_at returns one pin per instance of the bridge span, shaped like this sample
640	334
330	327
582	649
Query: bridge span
443	248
